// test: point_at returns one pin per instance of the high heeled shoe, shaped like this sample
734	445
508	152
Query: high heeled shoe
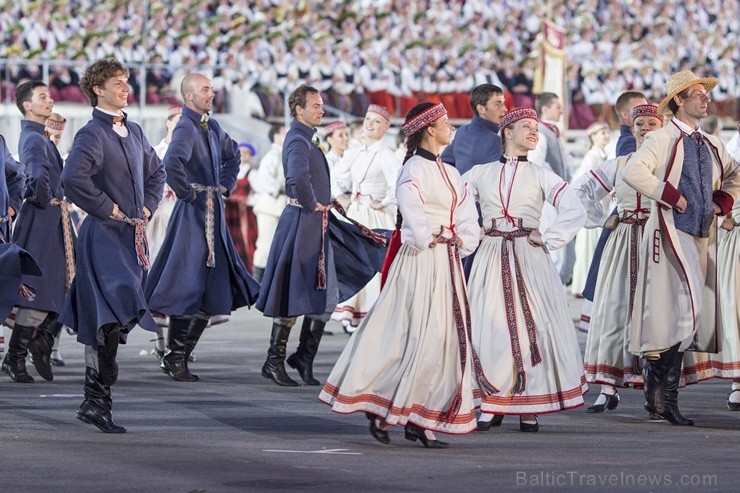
377	433
529	427
487	425
611	403
413	433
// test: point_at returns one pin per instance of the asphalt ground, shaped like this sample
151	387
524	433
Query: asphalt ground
237	431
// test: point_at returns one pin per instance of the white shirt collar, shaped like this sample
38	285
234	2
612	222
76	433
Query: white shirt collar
685	128
120	113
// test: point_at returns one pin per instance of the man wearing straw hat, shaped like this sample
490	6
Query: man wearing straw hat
691	179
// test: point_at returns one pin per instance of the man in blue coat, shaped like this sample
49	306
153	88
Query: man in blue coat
478	142
300	275
113	174
197	272
43	229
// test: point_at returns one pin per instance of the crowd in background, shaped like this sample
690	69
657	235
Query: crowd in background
357	52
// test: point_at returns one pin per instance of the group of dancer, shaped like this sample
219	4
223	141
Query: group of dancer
435	340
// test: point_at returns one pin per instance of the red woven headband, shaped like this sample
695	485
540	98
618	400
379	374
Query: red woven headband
424	119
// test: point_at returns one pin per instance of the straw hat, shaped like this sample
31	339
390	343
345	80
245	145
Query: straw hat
680	81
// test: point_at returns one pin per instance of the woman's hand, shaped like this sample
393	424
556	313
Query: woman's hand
433	243
727	224
611	222
535	239
681	205
376	204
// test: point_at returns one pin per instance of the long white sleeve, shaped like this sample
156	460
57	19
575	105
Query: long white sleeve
591	187
416	230
390	165
570	214
466	219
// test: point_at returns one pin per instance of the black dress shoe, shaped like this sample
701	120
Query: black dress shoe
733	406
487	425
611	403
529	427
377	433
413	433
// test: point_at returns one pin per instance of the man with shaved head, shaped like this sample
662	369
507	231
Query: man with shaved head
198	272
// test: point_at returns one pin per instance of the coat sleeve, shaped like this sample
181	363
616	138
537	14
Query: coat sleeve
297	173
411	196
571	216
639	173
85	161
39	167
15	178
592	186
178	153
230	160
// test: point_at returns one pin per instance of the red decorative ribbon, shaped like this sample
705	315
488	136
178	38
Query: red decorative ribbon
509	237
462	324
140	241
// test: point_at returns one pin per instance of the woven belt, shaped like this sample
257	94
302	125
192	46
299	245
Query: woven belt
140	242
210	217
509	237
367	232
69	250
462	326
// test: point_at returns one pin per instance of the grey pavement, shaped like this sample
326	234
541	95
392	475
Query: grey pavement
236	431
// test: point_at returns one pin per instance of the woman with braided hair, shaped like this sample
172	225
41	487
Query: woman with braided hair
522	327
410	362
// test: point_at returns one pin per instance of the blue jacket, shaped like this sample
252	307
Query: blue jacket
39	226
180	283
104	168
475	143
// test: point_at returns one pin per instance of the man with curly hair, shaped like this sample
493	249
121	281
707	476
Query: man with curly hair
114	175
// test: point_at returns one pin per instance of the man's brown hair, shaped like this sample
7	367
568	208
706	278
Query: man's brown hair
298	98
97	74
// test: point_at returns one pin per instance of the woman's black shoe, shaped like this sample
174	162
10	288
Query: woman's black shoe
611	403
487	425
529	427
413	433
377	433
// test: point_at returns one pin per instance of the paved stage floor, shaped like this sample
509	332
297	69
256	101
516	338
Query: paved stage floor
237	431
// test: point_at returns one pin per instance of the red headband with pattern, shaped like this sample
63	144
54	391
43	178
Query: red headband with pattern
380	110
424	119
646	110
334	126
55	124
517	114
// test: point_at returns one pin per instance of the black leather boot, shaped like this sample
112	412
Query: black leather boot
96	408
673	375
195	330
107	365
173	362
654	375
14	363
274	367
308	346
41	344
